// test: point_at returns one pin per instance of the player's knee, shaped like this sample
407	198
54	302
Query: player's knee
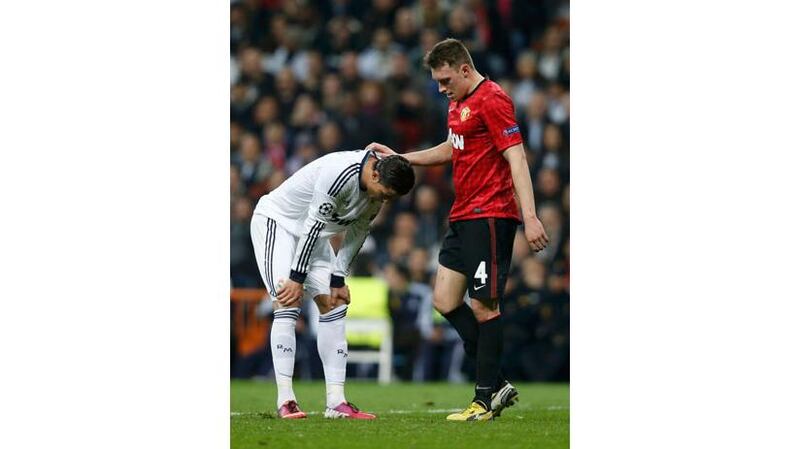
485	310
443	304
324	303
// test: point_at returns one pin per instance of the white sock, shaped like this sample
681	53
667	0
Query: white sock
282	340
332	347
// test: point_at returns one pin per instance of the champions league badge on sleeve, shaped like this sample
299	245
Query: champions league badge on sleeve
511	130
326	209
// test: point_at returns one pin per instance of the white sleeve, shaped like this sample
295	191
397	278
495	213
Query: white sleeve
324	203
353	240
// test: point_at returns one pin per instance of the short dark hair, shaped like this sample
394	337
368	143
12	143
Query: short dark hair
449	51
396	173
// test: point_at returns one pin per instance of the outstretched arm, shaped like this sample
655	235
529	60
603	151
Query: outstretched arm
440	154
521	176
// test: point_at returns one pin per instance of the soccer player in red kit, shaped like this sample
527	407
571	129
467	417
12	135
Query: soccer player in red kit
489	167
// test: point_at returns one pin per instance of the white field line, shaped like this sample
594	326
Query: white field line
391	412
398	412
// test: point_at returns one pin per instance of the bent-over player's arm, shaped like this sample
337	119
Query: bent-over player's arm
354	239
319	214
323	205
440	154
523	187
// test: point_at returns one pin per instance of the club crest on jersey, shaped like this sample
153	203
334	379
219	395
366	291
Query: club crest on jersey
456	139
325	209
465	113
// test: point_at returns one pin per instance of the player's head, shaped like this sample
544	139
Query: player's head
390	178
452	68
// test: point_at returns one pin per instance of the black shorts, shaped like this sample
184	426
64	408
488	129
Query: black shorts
480	249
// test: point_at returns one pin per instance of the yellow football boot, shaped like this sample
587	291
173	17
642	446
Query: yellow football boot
475	412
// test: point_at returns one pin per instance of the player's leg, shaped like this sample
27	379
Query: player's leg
484	261
448	299
273	247
491	263
332	347
448	292
331	338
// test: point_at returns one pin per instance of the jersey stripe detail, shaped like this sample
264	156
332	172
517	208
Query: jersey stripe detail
355	254
268	251
346	180
271	254
493	244
291	313
313	240
308	246
334	317
340	180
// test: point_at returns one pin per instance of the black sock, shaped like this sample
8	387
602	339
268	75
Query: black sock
463	320
490	351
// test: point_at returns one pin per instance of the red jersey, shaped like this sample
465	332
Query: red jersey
482	126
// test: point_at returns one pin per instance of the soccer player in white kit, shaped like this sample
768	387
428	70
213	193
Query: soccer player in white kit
291	229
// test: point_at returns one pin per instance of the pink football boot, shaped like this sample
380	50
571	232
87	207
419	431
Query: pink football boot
347	410
290	410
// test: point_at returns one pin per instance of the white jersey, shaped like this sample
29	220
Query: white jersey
320	200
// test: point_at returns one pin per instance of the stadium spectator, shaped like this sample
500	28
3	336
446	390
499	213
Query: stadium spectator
419	266
253	167
251	71
550	56
265	113
244	272
237	186
431	217
410	307
380	14
521	311
329	137
527	83
375	62
536	119
405	29
548	185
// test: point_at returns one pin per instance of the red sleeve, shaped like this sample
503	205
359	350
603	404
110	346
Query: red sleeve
501	123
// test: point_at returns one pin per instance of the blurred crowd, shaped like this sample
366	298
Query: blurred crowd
312	77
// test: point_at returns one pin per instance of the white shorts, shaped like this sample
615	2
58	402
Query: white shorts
274	249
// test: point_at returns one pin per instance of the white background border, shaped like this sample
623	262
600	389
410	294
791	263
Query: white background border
114	243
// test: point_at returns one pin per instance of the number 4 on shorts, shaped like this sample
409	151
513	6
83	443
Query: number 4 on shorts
480	274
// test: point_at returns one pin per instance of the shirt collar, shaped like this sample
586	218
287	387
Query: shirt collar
361	185
473	90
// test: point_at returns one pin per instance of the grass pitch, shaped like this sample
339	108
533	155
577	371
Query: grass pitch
409	416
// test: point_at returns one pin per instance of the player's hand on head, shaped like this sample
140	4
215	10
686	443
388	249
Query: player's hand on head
289	293
536	235
381	149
